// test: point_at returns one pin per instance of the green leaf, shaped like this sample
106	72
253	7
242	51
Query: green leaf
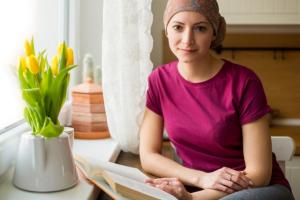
34	118
50	129
32	96
62	58
29	119
32	46
23	83
57	93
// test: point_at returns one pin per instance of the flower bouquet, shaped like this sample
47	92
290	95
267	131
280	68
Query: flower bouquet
44	87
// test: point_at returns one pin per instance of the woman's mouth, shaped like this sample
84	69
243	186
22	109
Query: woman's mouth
187	50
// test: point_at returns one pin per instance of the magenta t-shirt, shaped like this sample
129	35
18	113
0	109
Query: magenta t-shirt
203	120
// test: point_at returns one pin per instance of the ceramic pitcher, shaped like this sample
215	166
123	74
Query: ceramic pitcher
44	165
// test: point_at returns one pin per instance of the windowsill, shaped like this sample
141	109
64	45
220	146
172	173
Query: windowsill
104	150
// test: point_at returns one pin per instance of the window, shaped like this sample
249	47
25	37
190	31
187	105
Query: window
14	22
19	20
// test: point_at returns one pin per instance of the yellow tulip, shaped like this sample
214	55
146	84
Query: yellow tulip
32	64
60	49
70	56
28	49
22	63
54	65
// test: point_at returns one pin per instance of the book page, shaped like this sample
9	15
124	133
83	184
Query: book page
98	167
101	183
86	168
134	189
94	175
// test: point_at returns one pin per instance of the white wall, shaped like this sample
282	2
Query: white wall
85	33
47	30
90	29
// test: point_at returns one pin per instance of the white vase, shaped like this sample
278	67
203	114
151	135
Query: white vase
44	165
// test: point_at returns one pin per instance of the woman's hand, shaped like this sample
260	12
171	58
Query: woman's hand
172	186
226	180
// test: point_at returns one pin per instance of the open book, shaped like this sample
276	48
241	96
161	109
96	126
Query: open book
119	181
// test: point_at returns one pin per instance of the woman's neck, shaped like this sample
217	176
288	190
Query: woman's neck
200	70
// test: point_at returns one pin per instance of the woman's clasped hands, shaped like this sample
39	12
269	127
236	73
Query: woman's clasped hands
225	180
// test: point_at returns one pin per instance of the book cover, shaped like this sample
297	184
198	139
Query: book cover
119	181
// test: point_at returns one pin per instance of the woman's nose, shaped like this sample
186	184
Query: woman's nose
188	37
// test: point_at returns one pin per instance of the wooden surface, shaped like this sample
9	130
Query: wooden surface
262	40
279	71
133	160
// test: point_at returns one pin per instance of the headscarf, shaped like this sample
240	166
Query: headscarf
209	8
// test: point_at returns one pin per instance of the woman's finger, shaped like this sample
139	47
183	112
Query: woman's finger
238	182
162	180
239	178
223	188
231	184
245	178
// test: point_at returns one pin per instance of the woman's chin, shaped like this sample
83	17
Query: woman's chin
186	60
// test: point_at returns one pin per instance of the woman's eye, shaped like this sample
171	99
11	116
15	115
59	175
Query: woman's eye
200	28
177	27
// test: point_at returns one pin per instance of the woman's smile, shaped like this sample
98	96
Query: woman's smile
187	52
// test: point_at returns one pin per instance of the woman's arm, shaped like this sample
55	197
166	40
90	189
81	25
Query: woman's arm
151	138
258	151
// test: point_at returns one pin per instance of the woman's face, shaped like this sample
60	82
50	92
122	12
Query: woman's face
190	36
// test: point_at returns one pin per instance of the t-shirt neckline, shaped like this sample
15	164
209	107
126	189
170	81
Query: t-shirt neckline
203	83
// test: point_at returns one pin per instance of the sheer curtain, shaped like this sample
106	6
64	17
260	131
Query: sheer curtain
126	48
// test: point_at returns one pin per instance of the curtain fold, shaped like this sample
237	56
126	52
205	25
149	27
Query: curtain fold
126	64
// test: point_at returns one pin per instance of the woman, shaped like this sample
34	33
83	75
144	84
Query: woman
215	113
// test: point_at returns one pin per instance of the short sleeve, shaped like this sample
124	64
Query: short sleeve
253	104
152	99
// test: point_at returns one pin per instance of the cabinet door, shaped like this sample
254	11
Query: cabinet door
261	12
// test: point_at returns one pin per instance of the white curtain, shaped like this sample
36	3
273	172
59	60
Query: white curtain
126	48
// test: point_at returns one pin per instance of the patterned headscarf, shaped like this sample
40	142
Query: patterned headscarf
209	8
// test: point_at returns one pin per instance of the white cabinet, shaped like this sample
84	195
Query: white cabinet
261	12
293	175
